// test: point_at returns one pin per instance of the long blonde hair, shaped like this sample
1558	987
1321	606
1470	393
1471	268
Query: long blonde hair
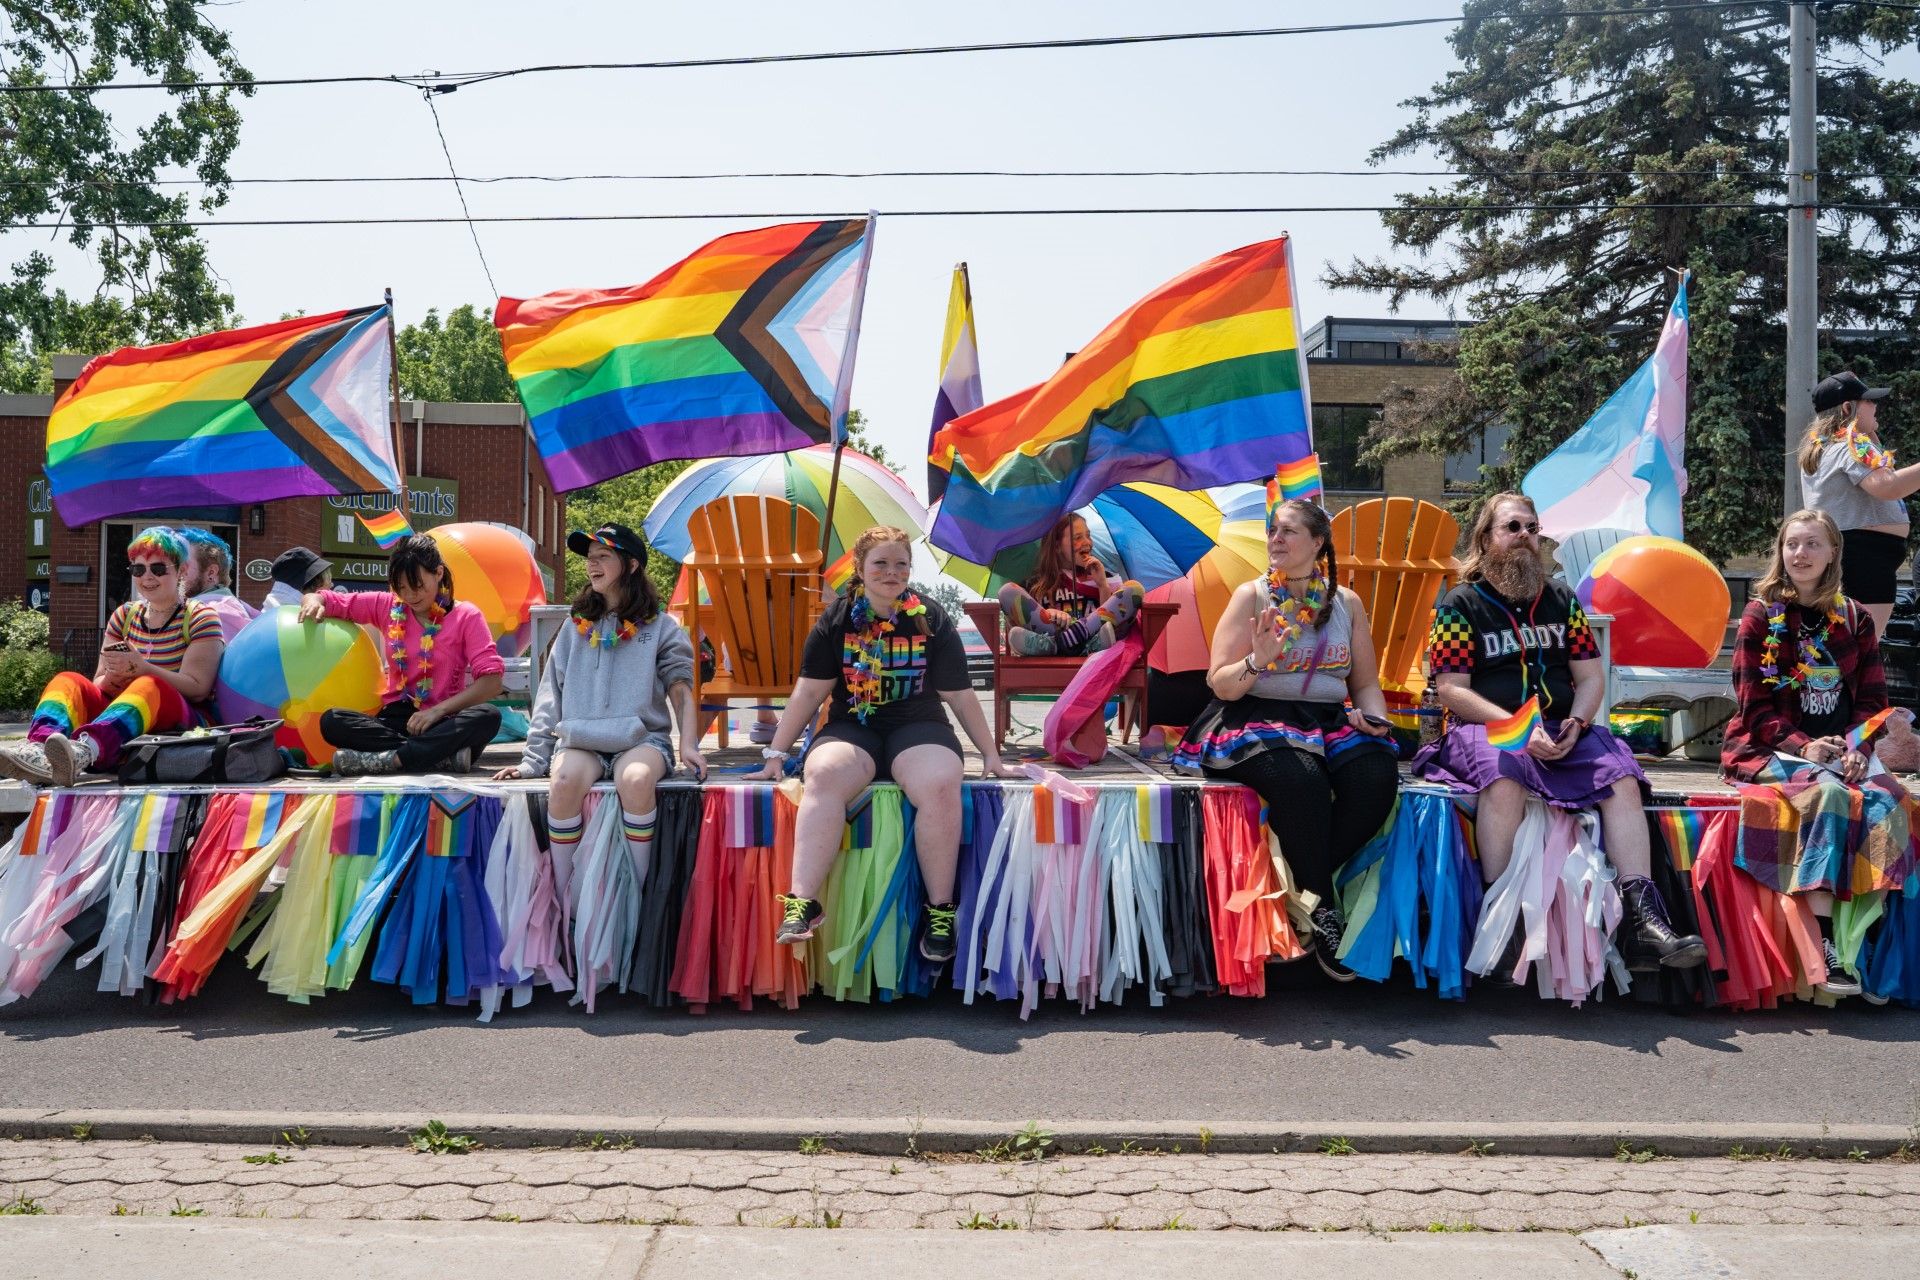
1775	586
1473	568
1826	427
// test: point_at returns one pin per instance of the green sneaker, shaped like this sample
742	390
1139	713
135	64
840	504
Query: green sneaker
801	916
937	940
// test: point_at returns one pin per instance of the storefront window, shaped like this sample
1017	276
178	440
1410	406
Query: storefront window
1339	432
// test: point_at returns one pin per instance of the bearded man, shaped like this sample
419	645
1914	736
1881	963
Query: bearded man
1508	633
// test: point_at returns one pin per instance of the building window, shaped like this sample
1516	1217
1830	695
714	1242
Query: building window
1369	350
540	515
1487	448
1339	431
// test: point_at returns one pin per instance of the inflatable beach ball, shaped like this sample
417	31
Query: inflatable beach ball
495	570
280	666
1669	603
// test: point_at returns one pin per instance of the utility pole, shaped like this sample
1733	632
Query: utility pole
1803	238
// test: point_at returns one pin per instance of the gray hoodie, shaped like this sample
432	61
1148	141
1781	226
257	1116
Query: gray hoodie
606	700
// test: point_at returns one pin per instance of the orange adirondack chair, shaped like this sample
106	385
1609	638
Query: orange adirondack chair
1397	555
755	592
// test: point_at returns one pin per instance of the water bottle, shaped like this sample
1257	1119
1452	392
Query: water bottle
1430	715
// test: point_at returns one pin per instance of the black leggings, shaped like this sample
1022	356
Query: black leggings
1322	812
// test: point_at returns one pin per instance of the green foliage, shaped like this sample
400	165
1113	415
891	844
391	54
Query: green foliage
22	627
267	1157
181	1209
86	165
456	359
435	1139
623	500
1336	1147
945	593
82	1132
22	676
21	1207
296	1136
978	1221
860	442
1031	1143
1598	119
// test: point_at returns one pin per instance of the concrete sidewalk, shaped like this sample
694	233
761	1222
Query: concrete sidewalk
606	1180
86	1249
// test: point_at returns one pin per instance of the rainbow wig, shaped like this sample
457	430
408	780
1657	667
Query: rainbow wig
159	538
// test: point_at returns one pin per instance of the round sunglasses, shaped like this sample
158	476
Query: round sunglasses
1515	526
145	568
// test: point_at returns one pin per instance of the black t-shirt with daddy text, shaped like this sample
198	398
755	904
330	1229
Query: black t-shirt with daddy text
1478	634
918	667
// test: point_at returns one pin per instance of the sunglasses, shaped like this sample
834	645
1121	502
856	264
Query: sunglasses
143	568
1515	526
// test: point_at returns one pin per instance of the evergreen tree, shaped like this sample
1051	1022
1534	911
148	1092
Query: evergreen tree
1577	136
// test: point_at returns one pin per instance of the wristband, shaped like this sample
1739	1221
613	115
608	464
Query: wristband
1252	670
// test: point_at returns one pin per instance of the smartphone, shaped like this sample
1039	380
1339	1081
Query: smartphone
116	646
1378	722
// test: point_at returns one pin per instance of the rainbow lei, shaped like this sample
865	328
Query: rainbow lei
397	647
864	649
1864	449
607	639
1296	615
1811	645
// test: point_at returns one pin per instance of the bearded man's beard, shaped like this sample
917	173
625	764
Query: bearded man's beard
1515	572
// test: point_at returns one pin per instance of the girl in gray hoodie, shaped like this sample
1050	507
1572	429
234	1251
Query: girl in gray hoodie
602	707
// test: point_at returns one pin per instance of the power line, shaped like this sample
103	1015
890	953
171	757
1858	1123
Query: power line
808	215
460	191
436	82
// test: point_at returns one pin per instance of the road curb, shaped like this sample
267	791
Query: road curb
901	1137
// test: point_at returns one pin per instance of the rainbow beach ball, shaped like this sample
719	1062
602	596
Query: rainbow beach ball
1669	603
280	666
493	569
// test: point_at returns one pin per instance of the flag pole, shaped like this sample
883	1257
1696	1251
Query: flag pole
393	382
843	389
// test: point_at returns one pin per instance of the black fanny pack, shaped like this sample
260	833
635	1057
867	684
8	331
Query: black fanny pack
222	753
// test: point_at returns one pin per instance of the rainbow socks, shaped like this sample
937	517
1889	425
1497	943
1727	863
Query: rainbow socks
564	833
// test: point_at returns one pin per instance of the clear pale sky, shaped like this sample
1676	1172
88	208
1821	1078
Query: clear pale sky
1042	286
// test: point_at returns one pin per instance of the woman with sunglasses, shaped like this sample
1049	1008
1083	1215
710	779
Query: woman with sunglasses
157	666
1509	634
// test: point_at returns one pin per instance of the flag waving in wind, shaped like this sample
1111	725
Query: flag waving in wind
959	374
1200	383
1626	468
746	347
298	407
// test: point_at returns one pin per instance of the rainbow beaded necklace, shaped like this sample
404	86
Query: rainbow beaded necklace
397	646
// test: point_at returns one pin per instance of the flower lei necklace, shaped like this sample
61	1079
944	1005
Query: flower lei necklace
864	650
607	639
1812	646
397	646
1296	613
1862	447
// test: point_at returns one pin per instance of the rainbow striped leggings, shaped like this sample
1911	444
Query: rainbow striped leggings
73	705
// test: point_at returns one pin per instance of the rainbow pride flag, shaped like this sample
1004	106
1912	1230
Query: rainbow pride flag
387	528
298	407
1201	383
744	348
959	391
839	575
1861	737
1512	733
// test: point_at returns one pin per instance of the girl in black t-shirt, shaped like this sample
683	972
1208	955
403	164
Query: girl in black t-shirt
1069	606
888	661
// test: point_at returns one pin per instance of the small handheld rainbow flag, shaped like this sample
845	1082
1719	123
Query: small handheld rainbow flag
1299	479
387	528
1861	736
839	574
1512	733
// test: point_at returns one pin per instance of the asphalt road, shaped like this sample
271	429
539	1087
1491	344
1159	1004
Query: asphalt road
1307	1052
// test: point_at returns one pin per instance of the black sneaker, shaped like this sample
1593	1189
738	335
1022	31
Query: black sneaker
1328	930
937	941
1838	982
802	916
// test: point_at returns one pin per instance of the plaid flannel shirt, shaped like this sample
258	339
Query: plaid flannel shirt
1767	717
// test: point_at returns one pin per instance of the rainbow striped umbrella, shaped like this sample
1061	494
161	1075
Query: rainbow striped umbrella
1240	555
869	495
1146	532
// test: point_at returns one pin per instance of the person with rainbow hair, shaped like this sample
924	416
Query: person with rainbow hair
156	670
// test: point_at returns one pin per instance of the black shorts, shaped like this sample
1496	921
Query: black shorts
1870	564
882	748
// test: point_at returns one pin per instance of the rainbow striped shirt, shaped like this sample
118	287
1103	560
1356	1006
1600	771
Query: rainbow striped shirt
166	647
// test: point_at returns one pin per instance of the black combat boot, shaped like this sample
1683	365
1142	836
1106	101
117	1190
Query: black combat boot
1646	933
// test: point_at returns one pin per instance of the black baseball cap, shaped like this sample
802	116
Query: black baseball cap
299	568
1842	387
617	536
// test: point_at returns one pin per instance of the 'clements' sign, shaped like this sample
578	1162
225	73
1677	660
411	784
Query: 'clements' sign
344	540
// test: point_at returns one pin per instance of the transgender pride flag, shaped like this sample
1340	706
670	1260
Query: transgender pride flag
959	373
1626	468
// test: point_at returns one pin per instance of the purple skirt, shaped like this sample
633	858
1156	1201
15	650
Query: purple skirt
1464	760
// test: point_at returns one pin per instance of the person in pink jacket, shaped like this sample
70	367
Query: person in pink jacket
443	670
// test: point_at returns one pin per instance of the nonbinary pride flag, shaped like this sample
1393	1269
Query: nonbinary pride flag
295	408
1200	383
1626	468
959	391
746	347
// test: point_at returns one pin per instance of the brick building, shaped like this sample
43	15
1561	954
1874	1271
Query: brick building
464	462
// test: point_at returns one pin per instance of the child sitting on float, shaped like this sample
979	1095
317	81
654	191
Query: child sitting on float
1811	689
156	670
442	670
1059	610
602	707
